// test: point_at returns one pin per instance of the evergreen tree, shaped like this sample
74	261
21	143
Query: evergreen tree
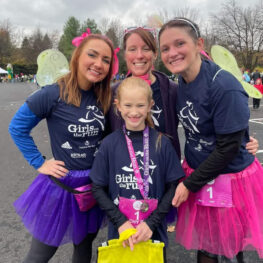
46	43
71	30
26	51
91	24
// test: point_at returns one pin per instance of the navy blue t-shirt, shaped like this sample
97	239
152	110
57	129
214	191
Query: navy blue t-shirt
75	132
157	109
209	106
112	168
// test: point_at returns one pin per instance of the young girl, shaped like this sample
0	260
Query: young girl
74	109
225	216
136	169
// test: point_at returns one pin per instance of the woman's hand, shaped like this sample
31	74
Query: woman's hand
181	195
54	168
143	233
128	242
252	145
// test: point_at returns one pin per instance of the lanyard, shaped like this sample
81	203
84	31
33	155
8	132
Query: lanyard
143	183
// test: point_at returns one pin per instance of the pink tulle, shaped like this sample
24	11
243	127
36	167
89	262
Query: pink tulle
226	231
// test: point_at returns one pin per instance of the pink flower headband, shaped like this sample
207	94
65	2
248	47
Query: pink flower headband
77	41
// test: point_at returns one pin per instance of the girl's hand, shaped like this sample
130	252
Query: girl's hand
181	195
143	233
128	242
252	145
54	168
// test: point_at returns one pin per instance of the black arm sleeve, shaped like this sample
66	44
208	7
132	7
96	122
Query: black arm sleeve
163	207
106	204
227	148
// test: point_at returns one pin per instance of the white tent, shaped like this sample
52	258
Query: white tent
2	71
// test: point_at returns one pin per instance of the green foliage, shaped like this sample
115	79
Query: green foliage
71	30
91	24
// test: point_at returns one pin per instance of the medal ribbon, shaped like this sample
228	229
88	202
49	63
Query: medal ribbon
143	183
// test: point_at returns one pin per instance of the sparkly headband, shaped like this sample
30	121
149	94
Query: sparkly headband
190	23
150	29
77	41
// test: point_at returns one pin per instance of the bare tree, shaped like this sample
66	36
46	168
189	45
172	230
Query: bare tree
55	36
114	29
241	30
6	46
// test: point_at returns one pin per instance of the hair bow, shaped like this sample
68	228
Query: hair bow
77	40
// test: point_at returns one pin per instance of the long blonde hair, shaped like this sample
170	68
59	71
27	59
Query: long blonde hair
69	88
130	83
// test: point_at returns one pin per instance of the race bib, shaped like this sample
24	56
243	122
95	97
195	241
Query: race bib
137	210
216	193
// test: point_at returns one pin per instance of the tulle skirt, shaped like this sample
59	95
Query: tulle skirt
226	231
51	214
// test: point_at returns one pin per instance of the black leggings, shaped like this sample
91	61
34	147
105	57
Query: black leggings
42	253
256	103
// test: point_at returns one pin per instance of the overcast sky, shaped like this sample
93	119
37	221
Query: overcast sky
51	15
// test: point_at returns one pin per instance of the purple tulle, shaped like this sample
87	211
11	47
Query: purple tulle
51	214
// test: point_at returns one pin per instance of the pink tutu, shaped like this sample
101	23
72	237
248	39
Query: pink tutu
226	231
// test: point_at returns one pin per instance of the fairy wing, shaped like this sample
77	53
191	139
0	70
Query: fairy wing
52	64
226	60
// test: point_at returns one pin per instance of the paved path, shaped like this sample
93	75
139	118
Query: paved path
16	175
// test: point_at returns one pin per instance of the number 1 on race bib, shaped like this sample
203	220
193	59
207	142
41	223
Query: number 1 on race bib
137	215
210	190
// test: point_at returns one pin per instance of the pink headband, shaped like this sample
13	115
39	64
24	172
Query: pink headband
77	41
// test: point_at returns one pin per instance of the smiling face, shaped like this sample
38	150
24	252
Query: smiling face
180	53
138	55
94	63
134	103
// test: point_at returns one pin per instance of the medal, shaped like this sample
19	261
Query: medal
144	207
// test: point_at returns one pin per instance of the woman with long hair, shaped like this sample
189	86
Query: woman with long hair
74	108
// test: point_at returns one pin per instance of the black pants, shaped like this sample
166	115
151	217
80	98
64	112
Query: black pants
256	103
42	253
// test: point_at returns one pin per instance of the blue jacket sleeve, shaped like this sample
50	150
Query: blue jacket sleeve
19	128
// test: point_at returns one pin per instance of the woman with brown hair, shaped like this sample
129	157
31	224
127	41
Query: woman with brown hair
74	109
220	202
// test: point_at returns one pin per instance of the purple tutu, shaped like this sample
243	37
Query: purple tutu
226	230
51	214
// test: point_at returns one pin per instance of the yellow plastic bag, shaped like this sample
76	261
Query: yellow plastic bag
143	252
